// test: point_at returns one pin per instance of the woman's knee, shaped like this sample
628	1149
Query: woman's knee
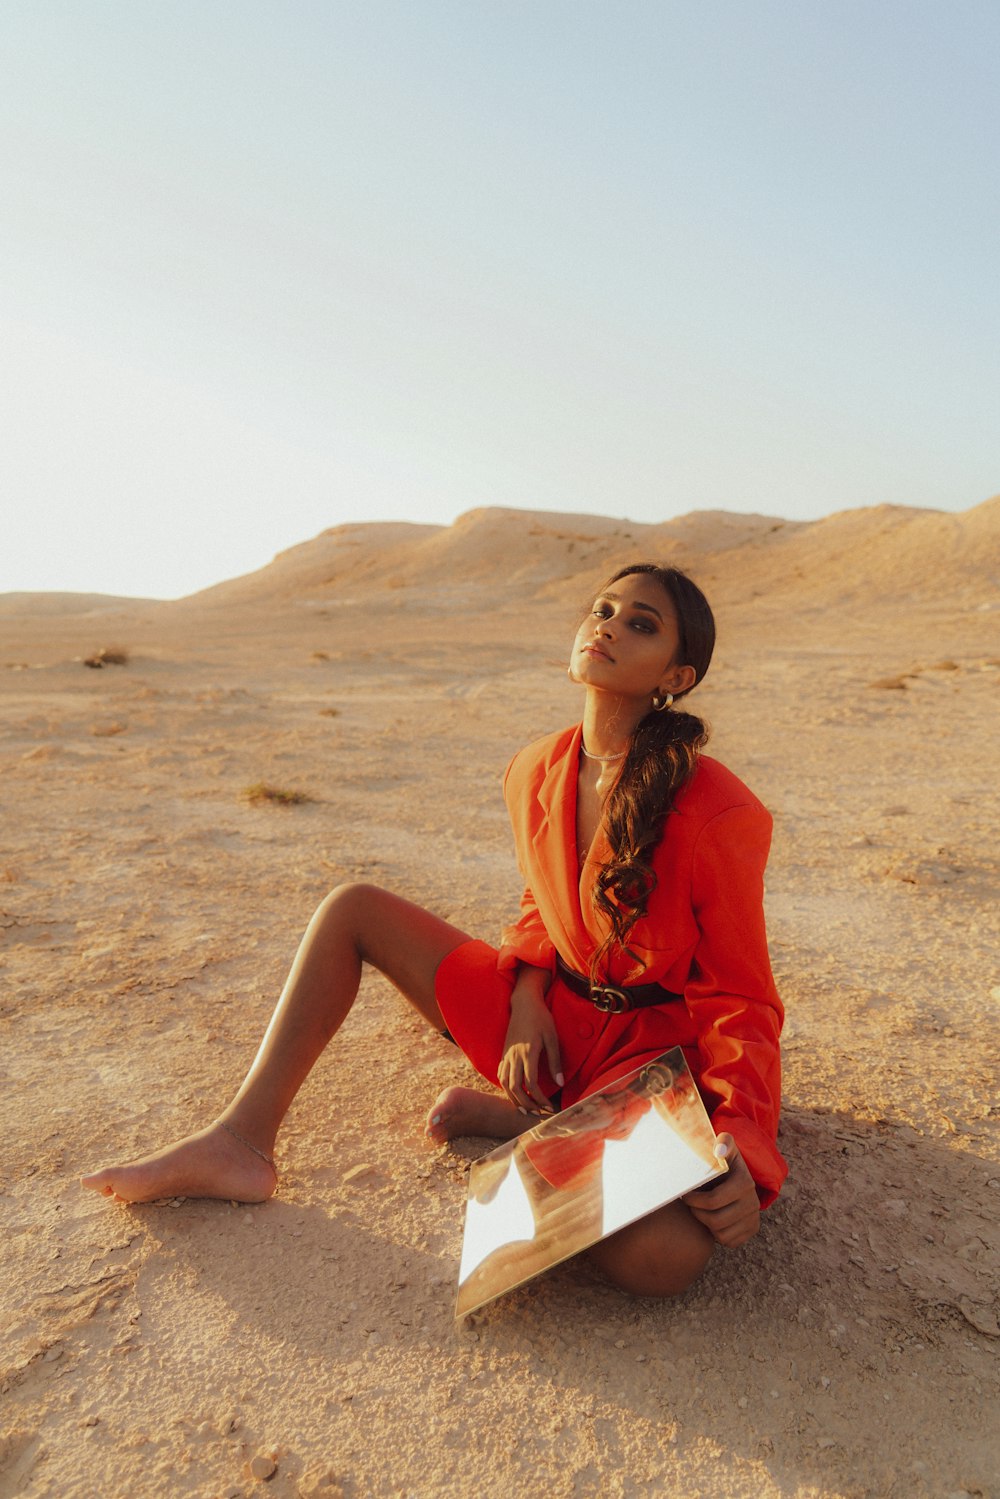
348	911
660	1278
656	1256
352	899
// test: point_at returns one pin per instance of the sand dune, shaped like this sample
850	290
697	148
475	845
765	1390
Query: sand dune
148	912
885	550
882	552
20	606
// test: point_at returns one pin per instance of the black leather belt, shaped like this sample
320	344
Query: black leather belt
611	999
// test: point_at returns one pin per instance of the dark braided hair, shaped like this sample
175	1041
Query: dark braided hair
661	757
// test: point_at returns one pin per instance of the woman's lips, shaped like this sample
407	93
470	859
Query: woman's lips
595	650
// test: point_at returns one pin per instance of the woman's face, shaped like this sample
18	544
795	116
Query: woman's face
629	642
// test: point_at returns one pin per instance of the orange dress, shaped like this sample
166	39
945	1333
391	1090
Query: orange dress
702	937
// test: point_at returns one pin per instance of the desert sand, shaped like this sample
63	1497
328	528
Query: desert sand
149	911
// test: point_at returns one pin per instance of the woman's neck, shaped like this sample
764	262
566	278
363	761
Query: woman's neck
608	723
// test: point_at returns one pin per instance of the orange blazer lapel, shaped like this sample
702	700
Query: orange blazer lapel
553	835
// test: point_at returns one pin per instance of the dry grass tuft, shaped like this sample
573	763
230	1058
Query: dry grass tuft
108	655
260	791
329	712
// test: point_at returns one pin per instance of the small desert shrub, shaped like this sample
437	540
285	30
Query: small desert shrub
321	655
260	791
108	655
329	712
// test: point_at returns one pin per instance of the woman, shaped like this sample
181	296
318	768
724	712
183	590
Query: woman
641	929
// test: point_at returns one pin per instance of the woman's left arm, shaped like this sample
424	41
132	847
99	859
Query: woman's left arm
729	1207
731	994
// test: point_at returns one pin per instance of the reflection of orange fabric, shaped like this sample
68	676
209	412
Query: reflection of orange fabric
564	1160
703	937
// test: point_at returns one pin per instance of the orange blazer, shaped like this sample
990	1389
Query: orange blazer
703	937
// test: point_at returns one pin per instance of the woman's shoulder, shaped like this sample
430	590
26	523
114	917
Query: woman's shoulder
713	788
537	758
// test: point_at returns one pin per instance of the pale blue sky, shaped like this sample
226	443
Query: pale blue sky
266	268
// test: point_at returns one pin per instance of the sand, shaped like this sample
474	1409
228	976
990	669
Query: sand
148	912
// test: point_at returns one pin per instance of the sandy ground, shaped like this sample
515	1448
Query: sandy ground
149	912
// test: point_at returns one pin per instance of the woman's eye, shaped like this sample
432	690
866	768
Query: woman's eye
601	611
643	626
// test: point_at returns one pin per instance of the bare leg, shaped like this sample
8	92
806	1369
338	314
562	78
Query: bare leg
355	924
659	1255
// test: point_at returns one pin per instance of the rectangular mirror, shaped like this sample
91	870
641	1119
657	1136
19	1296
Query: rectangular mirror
578	1176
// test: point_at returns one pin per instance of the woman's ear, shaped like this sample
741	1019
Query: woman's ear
677	679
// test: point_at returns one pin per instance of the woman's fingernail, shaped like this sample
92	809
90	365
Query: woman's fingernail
520	1110
560	1079
436	1119
722	1150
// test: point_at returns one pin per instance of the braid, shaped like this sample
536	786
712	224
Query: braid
661	758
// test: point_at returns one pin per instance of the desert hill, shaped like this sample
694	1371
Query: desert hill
878	554
882	552
33	605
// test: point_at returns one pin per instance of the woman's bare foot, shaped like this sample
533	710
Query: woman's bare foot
212	1163
466	1111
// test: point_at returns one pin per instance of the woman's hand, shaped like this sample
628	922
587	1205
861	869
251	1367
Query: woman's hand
531	1032
730	1208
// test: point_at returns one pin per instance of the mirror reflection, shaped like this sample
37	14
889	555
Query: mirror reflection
583	1174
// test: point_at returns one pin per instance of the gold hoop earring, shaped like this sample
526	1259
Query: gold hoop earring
661	704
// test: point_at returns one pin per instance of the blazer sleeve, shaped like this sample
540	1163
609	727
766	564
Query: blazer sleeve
731	994
526	941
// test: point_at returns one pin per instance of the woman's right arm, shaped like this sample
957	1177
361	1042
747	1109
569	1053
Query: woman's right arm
527	943
528	956
531	1035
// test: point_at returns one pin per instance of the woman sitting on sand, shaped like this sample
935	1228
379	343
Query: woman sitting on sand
641	929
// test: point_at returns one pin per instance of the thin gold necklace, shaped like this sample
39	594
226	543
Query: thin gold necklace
603	758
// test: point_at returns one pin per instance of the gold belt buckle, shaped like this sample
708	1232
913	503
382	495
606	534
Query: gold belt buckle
612	1001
